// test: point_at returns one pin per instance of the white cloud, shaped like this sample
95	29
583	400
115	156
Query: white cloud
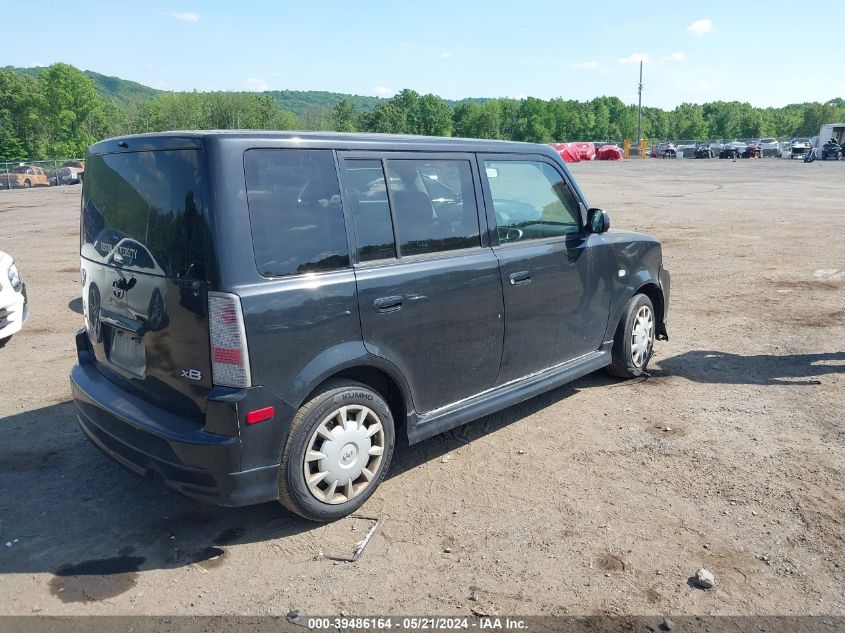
446	55
257	84
185	16
584	65
677	56
383	91
700	27
634	58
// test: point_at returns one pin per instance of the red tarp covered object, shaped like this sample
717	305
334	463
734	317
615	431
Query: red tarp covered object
568	152
587	151
609	152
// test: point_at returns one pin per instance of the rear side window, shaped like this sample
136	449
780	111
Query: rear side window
295	211
434	205
144	210
369	210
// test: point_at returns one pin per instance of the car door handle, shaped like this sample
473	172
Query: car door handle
520	278
389	304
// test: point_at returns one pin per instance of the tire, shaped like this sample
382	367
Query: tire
27	184
3	341
295	493
627	364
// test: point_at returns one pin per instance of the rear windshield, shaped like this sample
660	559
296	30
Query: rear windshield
144	210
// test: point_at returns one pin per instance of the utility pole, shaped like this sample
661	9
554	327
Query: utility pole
640	107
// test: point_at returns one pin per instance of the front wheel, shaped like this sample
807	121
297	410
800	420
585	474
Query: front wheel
633	342
338	452
3	341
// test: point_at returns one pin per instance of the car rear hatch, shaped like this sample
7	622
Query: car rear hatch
144	257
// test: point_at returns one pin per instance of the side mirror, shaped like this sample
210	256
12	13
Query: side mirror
598	221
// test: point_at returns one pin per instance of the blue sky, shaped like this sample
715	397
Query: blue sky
694	51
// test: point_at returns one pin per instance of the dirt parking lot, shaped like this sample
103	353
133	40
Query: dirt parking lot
599	497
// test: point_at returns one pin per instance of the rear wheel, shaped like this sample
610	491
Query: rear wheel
3	341
338	452
633	342
27	183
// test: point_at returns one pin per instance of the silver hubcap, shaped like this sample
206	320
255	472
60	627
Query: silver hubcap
344	454
642	336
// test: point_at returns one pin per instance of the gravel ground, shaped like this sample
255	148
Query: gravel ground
601	497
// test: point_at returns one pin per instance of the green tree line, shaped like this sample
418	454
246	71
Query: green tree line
59	112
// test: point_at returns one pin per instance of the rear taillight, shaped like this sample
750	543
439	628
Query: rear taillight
229	355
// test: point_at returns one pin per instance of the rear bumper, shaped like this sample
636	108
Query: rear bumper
150	440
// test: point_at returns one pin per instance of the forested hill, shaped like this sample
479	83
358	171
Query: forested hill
112	87
298	102
295	101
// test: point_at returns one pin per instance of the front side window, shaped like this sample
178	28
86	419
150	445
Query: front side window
295	211
434	205
531	200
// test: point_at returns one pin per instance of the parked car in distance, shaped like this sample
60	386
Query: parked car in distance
798	147
335	291
769	147
69	173
663	150
62	176
76	167
23	177
14	311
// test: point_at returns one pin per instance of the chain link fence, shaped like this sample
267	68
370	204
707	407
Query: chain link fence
29	174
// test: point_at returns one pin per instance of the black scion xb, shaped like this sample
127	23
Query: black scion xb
266	311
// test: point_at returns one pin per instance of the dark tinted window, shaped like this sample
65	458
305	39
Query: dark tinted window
369	209
531	200
295	212
154	200
434	205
